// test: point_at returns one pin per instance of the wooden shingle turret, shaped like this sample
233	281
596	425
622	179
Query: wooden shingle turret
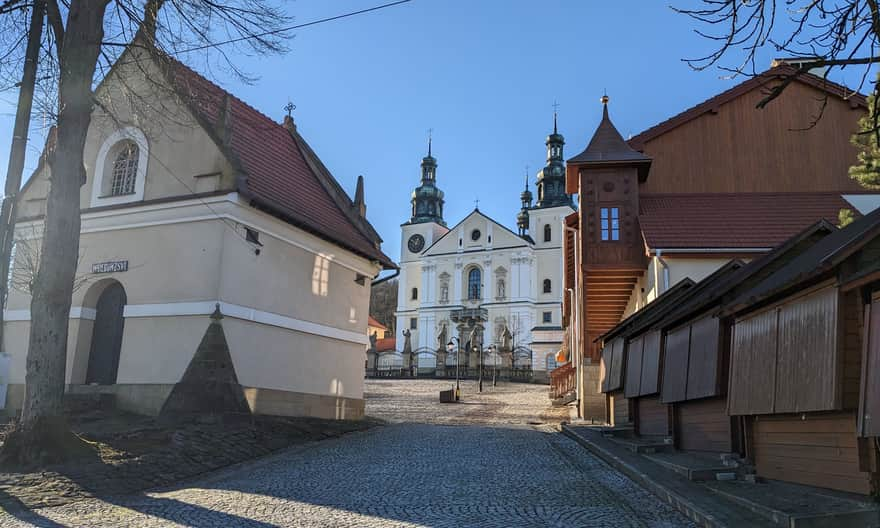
607	147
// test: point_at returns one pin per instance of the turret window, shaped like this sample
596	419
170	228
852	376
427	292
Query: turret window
415	294
609	219
548	232
547	286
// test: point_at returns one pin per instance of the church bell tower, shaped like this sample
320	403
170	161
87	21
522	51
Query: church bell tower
551	179
427	199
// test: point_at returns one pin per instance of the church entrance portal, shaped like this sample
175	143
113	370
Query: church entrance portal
107	336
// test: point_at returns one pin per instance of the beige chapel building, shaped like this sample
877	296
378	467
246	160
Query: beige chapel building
194	200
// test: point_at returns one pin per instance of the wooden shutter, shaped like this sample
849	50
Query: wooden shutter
633	367
675	365
807	357
651	363
615	379
869	406
753	364
606	366
703	359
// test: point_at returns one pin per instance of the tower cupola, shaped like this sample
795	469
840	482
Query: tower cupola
551	179
427	199
522	218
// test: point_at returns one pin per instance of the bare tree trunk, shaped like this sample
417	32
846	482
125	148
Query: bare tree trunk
43	435
17	152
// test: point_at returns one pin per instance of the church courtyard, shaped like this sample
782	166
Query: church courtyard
496	459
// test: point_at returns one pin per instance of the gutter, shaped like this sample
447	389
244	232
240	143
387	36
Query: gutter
385	279
711	250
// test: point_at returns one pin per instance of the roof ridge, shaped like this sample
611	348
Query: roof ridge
749	193
692	112
225	92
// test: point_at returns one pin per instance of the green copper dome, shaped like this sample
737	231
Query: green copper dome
551	179
427	199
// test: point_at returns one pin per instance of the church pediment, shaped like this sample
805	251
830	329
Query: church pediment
477	232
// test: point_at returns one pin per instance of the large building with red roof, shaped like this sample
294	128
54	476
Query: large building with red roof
720	181
193	202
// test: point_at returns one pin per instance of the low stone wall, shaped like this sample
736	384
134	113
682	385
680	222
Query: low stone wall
286	403
147	399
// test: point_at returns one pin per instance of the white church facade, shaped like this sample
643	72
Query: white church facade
481	281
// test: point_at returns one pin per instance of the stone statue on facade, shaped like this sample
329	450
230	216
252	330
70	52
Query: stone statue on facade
372	354
407	351
506	339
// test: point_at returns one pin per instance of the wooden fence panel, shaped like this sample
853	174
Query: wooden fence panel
675	365
651	363
703	361
807	356
753	364
633	367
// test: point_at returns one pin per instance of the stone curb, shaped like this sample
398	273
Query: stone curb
679	502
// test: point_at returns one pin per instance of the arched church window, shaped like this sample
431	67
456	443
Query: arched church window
124	174
548	232
547	286
474	284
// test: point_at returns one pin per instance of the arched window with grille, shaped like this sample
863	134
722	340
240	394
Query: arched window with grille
547	286
474	285
548	231
124	174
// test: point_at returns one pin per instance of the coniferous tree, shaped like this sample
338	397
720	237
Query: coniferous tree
867	170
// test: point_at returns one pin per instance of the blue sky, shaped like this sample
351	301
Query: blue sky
482	74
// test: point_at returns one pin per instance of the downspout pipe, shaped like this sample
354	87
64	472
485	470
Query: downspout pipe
576	308
659	255
385	279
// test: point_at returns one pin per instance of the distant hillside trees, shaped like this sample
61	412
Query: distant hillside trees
383	302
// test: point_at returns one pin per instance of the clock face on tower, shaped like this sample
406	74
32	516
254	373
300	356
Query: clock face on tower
416	243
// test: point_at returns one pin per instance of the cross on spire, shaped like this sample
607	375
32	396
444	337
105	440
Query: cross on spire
289	108
555	110
477	204
527	177
430	134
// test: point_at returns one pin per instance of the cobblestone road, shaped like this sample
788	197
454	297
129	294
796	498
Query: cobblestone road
485	463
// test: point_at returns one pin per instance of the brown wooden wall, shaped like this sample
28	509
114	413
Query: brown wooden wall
611	187
817	449
743	149
652	417
787	358
703	425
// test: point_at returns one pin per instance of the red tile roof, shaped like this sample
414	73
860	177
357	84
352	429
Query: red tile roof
734	220
385	344
375	323
773	74
281	173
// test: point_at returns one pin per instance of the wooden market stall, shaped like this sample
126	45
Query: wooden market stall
800	357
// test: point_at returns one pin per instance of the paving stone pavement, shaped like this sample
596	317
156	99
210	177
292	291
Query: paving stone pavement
459	465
